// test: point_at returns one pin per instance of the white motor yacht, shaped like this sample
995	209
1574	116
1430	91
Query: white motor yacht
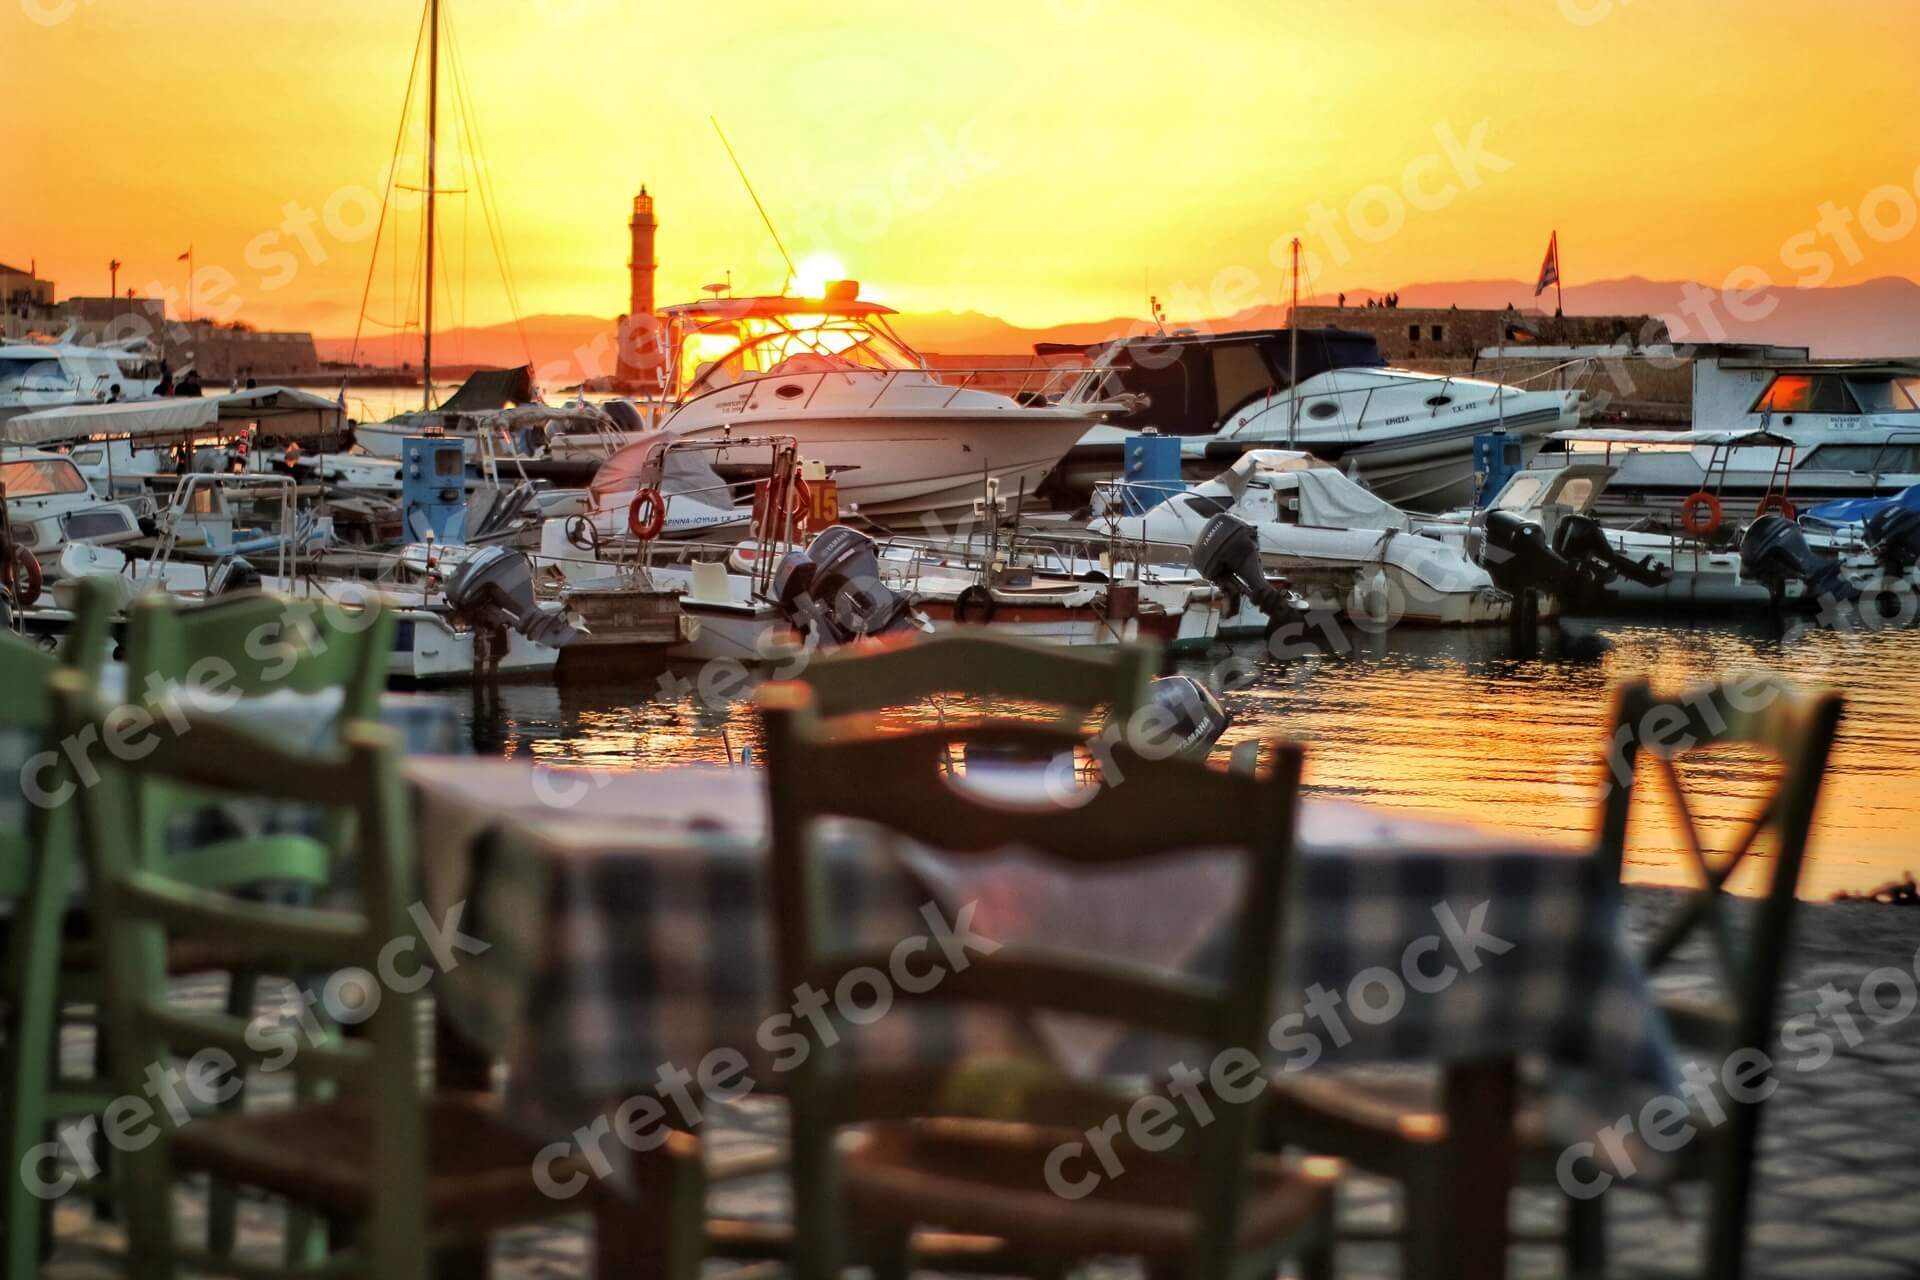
1407	435
901	442
49	375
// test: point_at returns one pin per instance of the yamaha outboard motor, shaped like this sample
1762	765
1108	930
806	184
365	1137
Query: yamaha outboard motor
1197	717
1582	543
1894	533
1517	556
232	575
1775	551
832	591
493	589
1227	554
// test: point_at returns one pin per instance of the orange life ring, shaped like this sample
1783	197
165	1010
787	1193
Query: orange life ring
26	578
648	526
1777	502
1700	513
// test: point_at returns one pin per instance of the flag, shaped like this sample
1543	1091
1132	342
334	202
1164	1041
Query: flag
185	257
1550	268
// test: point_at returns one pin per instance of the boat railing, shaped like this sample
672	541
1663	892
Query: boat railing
1035	384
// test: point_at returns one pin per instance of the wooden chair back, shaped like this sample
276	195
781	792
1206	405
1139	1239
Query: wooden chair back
139	906
1145	808
1796	729
901	671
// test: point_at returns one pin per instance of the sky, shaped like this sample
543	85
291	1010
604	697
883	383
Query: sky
1039	160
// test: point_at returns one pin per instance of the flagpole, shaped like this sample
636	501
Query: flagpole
189	283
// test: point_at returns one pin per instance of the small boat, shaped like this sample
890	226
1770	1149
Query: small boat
1407	435
1342	547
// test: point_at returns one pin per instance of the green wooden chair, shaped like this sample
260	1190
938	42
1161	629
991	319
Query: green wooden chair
1393	1126
965	1146
413	1169
904	671
250	645
36	868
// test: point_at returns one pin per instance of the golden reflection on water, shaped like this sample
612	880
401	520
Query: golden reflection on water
1452	724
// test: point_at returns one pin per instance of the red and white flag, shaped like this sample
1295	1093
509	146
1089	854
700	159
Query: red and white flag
1550	268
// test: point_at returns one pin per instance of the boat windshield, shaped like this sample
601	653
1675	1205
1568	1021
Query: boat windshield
41	477
1886	395
724	351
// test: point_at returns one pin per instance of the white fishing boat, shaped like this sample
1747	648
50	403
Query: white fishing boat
1834	429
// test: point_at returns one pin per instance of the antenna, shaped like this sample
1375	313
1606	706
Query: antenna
793	272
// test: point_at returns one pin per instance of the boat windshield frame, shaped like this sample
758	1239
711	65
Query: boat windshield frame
870	333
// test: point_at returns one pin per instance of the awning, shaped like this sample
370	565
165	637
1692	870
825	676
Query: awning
1621	435
491	389
279	411
118	418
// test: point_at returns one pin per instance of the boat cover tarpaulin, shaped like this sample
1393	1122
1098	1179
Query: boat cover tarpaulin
1329	500
490	389
1842	512
278	411
119	418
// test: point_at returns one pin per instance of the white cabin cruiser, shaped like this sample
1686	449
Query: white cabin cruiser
1408	435
48	375
1853	427
831	373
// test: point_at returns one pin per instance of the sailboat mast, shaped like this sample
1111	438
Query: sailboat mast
433	182
1293	353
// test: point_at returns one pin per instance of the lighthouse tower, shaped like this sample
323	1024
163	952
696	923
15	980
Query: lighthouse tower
640	355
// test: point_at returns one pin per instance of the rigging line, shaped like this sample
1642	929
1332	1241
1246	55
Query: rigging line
793	272
393	166
489	203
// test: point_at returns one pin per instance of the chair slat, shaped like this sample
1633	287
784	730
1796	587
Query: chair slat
269	933
349	1061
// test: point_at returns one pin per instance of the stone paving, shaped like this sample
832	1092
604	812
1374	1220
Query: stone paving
1839	1171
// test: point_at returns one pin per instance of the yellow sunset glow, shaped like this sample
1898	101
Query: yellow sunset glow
1039	160
814	274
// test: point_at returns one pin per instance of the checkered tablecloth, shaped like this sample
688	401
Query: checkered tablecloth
427	726
626	921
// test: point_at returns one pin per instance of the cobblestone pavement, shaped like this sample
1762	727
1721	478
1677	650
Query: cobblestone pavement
1839	1171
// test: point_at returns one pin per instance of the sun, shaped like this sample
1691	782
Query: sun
811	277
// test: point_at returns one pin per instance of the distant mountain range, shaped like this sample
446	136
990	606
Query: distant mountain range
1874	317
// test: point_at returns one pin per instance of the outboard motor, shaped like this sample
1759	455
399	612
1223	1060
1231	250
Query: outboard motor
1582	543
1198	718
492	589
1517	556
1894	533
1227	554
624	415
1775	551
232	575
832	591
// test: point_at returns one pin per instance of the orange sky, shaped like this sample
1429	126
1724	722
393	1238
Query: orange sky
1028	158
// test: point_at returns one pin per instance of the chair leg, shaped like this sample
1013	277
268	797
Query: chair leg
1316	1256
104	1209
222	1197
1424	1202
1731	1198
1586	1238
661	1235
890	1252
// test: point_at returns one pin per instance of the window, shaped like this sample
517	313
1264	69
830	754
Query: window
1438	332
101	522
1439	402
1323	409
1866	458
1806	393
1239	375
41	477
1413	333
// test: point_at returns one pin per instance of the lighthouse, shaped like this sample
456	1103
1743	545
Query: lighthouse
640	356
